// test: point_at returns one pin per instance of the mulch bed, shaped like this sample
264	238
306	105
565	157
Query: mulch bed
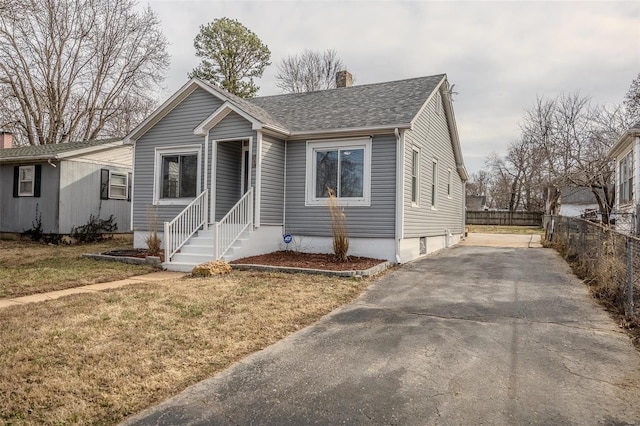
139	253
296	259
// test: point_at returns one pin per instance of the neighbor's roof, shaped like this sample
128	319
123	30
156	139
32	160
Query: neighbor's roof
390	104
580	195
52	151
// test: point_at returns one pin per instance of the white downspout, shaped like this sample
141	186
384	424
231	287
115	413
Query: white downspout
206	171
399	191
284	204
258	177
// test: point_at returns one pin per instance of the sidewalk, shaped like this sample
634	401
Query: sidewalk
91	288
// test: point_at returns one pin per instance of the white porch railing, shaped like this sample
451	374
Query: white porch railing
234	223
188	222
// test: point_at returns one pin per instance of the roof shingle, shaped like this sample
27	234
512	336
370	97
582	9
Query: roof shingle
49	150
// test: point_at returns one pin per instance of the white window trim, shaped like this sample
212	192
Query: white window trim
33	181
126	185
434	184
628	158
310	184
415	203
157	173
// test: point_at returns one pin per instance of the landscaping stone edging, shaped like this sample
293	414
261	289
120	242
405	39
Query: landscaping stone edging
374	270
149	260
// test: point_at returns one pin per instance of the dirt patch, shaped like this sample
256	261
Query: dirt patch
296	259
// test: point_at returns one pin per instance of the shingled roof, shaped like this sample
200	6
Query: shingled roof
382	104
50	150
392	104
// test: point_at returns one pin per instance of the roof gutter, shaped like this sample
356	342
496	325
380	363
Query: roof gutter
615	150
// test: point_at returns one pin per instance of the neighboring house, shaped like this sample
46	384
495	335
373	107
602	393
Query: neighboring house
576	201
476	203
245	172
64	184
626	153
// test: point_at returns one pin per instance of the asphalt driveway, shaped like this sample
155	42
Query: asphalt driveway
471	335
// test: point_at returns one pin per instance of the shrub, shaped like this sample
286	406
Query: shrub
215	267
35	233
94	230
338	228
154	244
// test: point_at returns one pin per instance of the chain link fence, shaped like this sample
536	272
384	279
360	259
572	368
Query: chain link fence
608	260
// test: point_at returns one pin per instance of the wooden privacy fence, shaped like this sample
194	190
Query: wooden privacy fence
517	218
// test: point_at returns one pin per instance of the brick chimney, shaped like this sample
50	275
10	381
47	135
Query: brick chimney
344	79
6	140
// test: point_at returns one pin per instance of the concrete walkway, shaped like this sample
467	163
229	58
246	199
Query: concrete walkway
471	335
91	288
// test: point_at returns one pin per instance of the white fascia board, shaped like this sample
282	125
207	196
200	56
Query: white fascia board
455	138
169	105
351	131
88	150
424	105
219	114
620	144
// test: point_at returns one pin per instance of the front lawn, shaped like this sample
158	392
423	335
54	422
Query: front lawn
97	358
29	268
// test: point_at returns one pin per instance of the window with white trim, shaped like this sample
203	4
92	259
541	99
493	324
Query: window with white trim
415	176
177	175
434	183
449	183
343	166
118	185
625	171
26	179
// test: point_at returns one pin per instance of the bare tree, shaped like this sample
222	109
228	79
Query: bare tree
77	69
575	137
309	72
632	101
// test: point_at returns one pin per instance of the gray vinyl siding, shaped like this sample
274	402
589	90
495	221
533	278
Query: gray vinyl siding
228	177
375	221
173	130
431	135
272	181
19	214
80	197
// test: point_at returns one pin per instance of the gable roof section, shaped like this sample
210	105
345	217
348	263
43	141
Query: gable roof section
56	151
389	105
381	105
622	141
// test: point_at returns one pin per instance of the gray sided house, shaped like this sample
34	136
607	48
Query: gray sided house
626	154
227	177
63	185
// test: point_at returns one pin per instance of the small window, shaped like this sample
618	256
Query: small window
434	183
26	179
449	183
177	175
625	170
415	176
343	166
118	185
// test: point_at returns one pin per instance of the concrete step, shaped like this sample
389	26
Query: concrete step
197	249
179	266
193	259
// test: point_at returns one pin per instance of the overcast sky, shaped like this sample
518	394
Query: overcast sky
500	55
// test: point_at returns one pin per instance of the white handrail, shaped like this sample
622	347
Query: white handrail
234	223
188	222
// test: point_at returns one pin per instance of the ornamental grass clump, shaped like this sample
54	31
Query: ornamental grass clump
338	228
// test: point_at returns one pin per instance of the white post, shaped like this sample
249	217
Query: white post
167	246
